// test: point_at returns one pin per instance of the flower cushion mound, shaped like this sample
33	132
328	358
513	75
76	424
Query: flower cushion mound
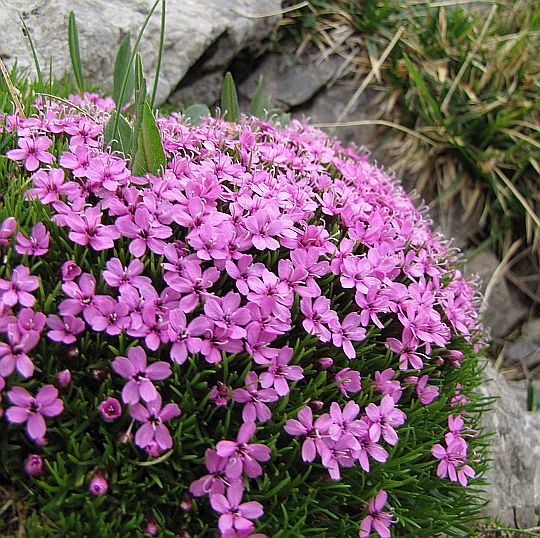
264	339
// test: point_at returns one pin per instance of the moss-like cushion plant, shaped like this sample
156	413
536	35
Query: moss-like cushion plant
261	338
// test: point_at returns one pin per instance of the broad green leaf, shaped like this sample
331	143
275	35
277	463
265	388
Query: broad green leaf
229	99
123	134
259	103
150	156
140	97
195	114
73	41
123	65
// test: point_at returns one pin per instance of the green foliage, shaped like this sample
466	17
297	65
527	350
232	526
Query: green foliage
229	99
195	114
74	53
123	69
150	156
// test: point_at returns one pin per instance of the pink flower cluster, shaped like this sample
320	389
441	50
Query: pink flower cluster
283	217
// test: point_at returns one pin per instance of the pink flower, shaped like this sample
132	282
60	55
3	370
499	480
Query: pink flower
255	400
426	393
304	427
110	409
7	229
64	329
139	375
377	519
98	485
49	186
219	394
17	290
343	334
145	232
153	429
215	481
33	150
279	372
106	314
37	244
383	418
13	355
81	295
87	229
118	276
453	460
317	315
349	381
234	514
242	456
32	410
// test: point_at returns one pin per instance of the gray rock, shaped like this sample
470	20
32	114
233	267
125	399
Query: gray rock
192	26
526	348
504	309
205	89
327	106
291	85
514	475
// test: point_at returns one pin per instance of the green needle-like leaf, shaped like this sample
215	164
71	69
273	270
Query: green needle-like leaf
74	53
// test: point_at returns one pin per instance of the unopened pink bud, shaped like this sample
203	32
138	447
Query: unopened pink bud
98	485
324	363
63	379
316	405
34	465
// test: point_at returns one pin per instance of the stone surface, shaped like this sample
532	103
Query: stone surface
526	348
192	26
291	84
514	475
504	308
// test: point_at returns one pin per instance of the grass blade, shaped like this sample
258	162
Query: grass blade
259	103
26	33
74	53
160	53
229	99
133	53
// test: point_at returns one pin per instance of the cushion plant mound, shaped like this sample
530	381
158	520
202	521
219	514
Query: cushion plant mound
264	338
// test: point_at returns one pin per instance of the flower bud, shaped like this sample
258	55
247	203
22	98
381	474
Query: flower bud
99	374
324	363
69	271
185	503
63	379
98	485
71	352
151	528
34	465
316	405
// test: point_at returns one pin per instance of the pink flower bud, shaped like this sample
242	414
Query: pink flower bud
69	271
185	503
324	363
63	379
151	528
219	394
98	485
110	409
316	405
34	465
